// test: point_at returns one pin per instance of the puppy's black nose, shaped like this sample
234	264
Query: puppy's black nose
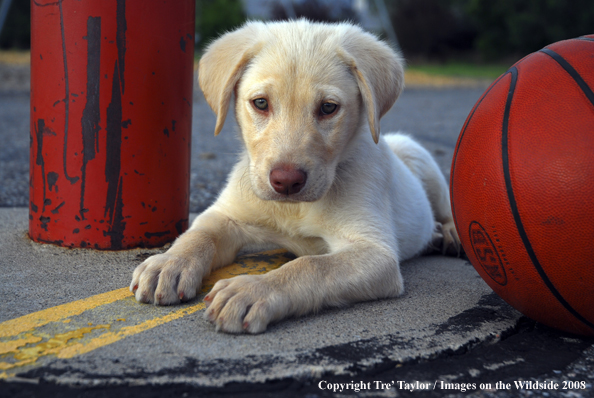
287	179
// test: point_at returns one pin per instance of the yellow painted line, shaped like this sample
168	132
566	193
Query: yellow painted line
52	345
112	337
57	332
13	345
54	314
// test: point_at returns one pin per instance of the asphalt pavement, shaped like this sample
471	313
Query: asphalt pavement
69	327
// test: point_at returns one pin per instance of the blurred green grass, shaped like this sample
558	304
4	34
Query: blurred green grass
461	70
418	73
15	57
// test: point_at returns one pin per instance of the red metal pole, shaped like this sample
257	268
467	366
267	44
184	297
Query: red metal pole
111	117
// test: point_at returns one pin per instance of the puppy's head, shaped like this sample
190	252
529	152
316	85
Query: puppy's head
302	92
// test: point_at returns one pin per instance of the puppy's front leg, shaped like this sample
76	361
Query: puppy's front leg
248	303
211	242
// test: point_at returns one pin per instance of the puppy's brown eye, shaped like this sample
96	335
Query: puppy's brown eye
261	104
328	108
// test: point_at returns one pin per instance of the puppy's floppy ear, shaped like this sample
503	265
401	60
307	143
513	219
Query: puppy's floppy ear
222	65
379	73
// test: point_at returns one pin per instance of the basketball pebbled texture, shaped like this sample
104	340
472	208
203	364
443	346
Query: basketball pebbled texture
522	186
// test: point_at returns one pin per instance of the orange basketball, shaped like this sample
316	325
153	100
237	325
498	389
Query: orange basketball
522	186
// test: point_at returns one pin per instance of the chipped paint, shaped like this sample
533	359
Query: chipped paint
97	147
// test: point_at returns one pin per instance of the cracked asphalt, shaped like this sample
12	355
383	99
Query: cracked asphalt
449	335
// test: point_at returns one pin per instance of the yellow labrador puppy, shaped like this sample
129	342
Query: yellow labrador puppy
315	178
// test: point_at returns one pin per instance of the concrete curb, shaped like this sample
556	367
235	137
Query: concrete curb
446	308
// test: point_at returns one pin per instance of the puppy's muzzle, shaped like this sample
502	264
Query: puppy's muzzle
287	179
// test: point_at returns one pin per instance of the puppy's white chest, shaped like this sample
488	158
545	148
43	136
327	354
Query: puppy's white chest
299	234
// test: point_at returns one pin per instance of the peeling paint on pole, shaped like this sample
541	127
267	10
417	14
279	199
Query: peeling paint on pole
108	77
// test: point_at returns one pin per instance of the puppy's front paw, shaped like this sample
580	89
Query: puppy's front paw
165	279
245	303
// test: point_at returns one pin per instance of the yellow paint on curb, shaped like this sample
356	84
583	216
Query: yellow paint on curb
28	354
53	332
14	345
60	312
112	337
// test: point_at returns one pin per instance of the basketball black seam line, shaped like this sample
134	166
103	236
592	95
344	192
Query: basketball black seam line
514	207
455	157
572	72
